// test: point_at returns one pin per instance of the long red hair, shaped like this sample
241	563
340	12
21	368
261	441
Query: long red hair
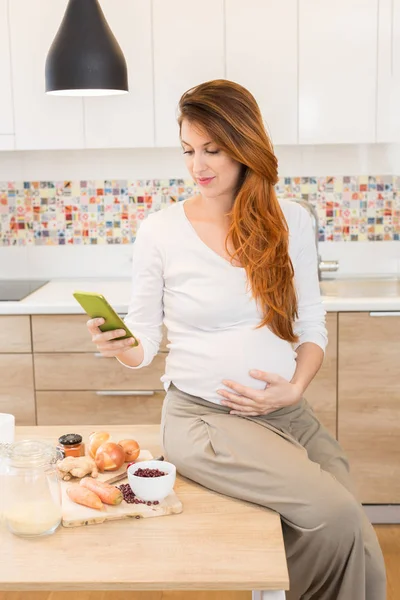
230	115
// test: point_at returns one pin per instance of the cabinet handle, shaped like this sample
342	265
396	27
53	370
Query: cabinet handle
393	313
125	393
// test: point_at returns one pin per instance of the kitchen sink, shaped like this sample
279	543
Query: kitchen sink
360	288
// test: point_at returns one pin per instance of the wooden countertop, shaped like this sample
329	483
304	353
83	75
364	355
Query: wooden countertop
216	543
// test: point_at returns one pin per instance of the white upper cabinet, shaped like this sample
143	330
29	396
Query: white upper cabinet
337	71
261	55
322	72
188	42
126	121
7	142
41	121
388	110
6	107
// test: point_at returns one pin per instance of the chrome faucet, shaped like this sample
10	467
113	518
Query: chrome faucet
323	265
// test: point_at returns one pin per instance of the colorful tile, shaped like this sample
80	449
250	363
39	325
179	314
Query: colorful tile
90	212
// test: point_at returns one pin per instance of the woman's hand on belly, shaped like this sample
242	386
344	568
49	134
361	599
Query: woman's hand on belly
248	402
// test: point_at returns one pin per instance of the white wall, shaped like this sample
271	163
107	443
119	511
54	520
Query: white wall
340	159
114	261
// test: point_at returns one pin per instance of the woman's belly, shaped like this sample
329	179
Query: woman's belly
198	362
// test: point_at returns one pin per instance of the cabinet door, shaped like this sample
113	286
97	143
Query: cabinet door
6	109
41	121
369	403
90	408
188	40
86	371
322	392
67	333
7	142
17	394
388	93
15	333
261	55
126	121
337	71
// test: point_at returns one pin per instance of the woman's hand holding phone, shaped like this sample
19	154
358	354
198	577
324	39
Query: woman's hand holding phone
105	341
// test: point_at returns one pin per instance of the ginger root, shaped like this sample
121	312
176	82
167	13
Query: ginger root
74	466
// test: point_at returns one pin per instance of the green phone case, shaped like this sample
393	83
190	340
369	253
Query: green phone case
95	305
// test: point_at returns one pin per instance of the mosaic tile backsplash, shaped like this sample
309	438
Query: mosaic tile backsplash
350	208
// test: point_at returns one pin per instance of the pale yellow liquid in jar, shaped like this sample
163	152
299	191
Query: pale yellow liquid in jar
33	518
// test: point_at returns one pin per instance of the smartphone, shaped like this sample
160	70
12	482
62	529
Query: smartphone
95	305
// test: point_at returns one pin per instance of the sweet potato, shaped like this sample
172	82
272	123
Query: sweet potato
109	494
82	495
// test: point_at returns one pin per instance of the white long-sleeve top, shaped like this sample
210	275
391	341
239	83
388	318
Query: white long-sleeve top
209	313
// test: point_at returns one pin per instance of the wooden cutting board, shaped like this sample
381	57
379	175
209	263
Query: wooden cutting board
75	515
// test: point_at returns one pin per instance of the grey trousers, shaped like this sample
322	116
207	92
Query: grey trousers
289	462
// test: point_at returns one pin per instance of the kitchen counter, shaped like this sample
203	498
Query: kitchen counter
378	294
203	548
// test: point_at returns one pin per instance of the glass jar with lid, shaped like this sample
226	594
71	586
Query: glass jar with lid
32	499
70	444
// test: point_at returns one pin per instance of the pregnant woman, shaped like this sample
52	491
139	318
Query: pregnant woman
232	272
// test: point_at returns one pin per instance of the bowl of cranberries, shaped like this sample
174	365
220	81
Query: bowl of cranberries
152	480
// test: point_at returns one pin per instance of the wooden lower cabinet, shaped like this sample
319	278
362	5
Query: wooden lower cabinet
90	408
17	395
67	333
75	385
369	403
87	388
90	371
15	334
322	391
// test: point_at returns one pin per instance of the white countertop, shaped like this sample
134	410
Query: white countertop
56	297
338	295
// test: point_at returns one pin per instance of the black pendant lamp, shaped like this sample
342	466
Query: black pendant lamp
85	59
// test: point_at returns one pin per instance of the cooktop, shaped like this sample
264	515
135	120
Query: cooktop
18	289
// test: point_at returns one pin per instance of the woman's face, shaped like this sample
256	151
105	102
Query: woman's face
216	173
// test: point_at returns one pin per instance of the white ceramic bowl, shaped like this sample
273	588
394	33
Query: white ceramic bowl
151	489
